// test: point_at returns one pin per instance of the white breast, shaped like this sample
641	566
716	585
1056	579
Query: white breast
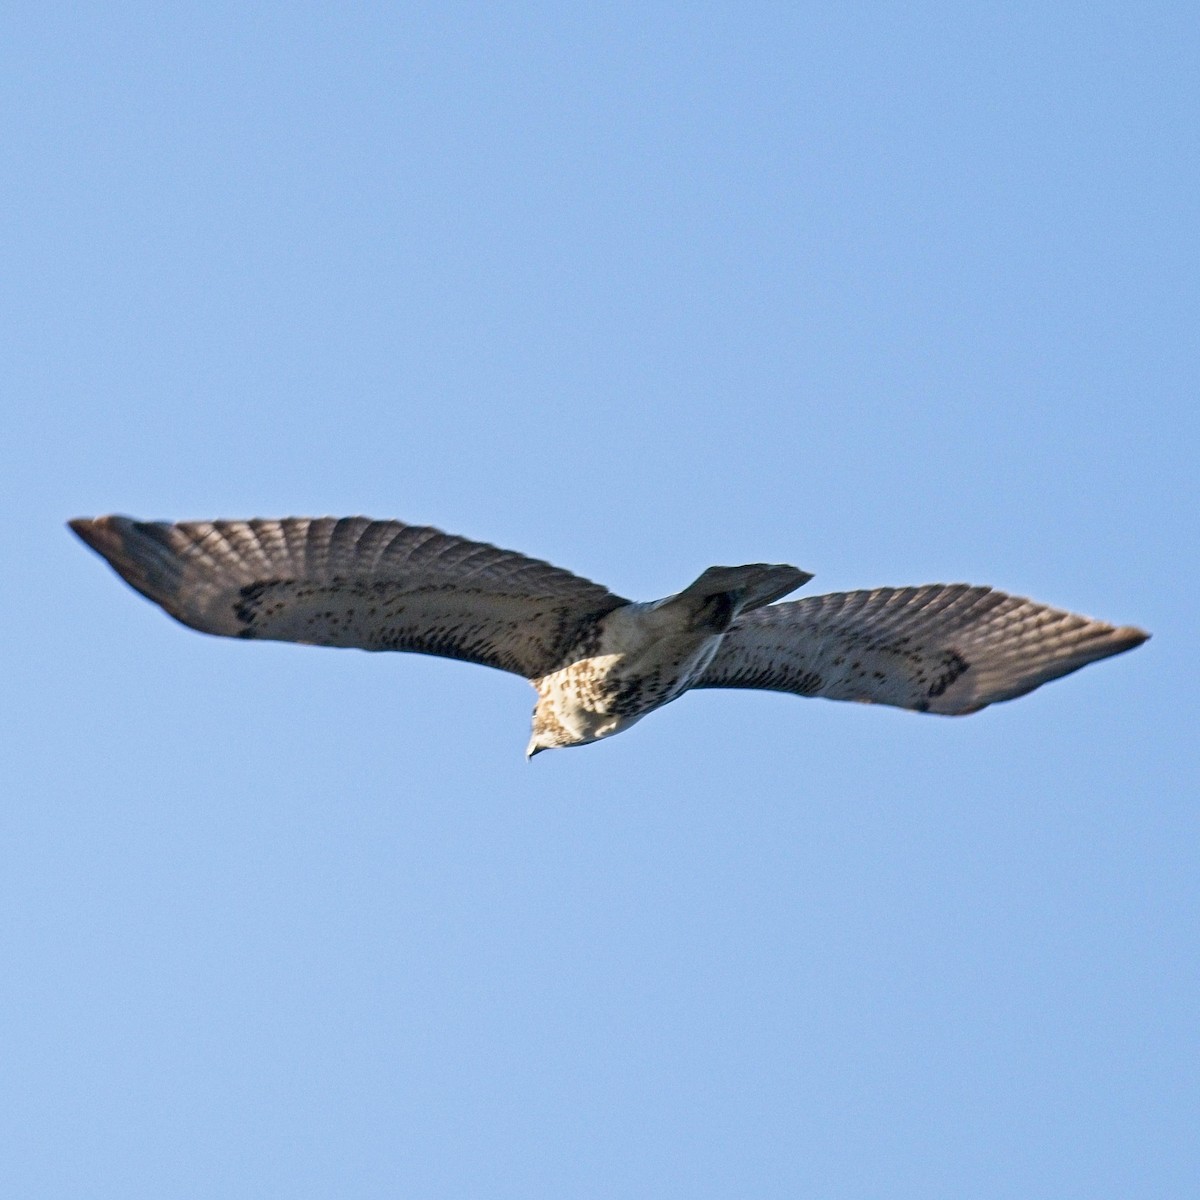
644	660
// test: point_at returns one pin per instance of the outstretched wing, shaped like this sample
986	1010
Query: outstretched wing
943	648
376	585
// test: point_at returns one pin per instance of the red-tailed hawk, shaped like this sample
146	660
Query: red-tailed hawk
599	662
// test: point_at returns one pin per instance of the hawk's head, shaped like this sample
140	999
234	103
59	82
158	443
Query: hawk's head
549	733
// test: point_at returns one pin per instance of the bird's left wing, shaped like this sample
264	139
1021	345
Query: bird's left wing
942	648
376	585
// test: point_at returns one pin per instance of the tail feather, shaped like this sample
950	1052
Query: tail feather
721	594
754	584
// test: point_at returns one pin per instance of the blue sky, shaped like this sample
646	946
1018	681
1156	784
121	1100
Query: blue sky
900	294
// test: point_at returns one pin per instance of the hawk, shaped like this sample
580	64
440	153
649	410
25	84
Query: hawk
599	662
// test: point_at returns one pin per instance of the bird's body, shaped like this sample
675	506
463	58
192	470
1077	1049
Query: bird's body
599	662
643	658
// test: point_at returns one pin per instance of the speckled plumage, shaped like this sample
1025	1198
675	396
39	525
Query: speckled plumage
599	662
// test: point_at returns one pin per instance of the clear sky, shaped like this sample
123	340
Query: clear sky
898	293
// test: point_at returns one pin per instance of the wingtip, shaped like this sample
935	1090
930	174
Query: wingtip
129	547
1127	637
106	535
97	532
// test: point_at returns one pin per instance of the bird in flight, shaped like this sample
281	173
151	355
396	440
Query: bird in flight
599	662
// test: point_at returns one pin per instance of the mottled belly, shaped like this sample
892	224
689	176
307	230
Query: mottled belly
599	696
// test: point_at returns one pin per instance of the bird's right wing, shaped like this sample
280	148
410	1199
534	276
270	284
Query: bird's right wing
942	648
376	585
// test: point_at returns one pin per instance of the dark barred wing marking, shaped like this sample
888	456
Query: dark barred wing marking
942	648
375	585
